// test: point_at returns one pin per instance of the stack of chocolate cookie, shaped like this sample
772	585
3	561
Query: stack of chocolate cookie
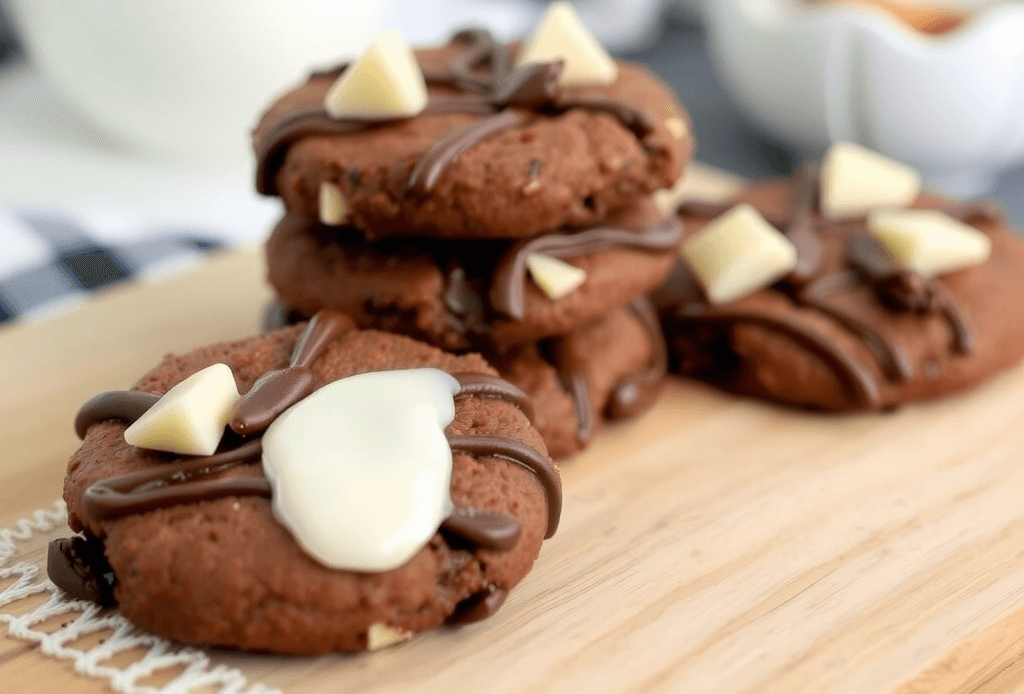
487	198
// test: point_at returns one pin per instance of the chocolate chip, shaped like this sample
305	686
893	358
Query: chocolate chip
78	566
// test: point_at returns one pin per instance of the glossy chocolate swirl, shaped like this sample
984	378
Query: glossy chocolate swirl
446	150
890	357
523	455
479	606
529	88
278	390
632	395
637	392
126	405
507	292
858	379
574	381
485	386
176	483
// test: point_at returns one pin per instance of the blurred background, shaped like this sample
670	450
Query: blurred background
124	125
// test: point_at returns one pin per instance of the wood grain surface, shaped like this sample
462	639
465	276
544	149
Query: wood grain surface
716	545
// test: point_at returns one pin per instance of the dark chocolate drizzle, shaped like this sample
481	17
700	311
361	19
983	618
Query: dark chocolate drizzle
276	391
574	381
898	289
128	405
523	455
481	528
855	376
507	292
632	395
889	356
635	393
440	155
176	483
902	290
484	386
532	87
79	567
479	606
800	230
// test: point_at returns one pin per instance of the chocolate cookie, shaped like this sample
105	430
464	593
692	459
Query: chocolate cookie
612	368
217	550
497	153
847	329
468	294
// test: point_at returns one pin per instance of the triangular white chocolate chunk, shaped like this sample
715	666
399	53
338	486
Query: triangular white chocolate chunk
556	277
190	418
855	180
738	253
929	242
561	35
386	82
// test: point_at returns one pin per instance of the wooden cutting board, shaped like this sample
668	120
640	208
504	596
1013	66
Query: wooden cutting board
716	545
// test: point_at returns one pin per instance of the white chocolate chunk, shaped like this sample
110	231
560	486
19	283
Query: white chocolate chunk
698	182
677	128
929	242
360	469
380	635
190	418
386	82
561	35
556	277
333	210
855	180
737	254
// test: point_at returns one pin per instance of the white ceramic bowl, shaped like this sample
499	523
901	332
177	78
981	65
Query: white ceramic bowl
186	78
951	104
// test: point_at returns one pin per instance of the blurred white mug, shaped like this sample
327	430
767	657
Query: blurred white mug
186	79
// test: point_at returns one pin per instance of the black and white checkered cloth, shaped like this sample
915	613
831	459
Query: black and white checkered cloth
49	260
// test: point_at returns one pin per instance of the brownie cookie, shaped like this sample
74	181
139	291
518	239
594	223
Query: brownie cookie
219	549
468	294
499	152
848	329
612	368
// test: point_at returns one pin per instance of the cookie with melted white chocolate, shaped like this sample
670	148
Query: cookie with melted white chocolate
202	549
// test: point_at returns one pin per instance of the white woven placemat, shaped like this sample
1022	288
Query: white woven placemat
23	575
